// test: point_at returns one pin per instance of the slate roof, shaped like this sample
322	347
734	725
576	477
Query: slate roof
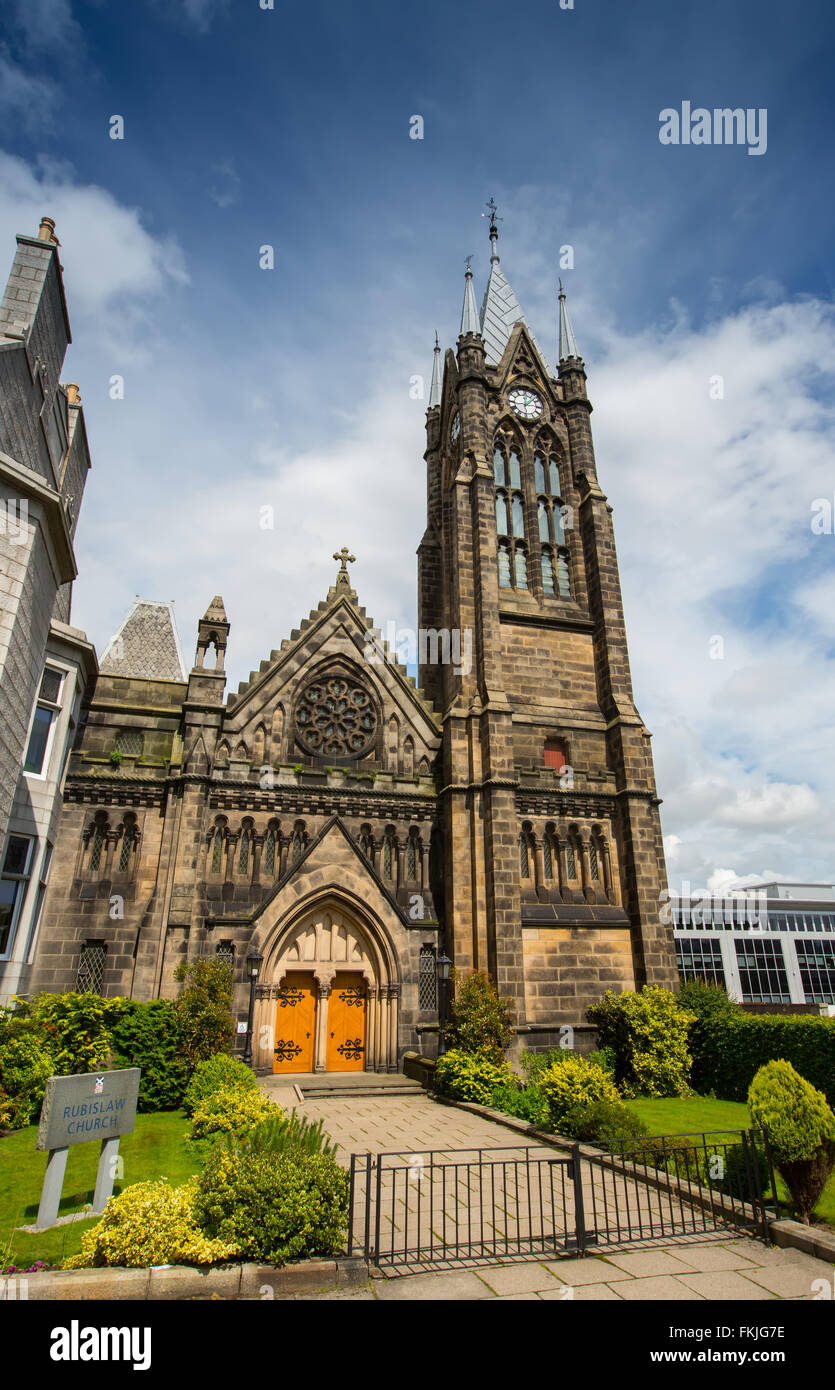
147	645
499	312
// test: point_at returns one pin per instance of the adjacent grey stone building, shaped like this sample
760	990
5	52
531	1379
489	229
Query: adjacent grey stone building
45	664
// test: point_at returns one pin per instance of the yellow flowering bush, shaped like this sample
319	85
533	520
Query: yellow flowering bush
150	1223
231	1110
573	1085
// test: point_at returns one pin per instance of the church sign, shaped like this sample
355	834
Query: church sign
96	1105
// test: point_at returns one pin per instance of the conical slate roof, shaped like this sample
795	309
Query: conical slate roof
499	312
147	645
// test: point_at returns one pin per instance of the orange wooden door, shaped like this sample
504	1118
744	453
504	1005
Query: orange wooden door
346	1024
295	1024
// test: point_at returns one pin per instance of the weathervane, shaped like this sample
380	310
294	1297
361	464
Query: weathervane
493	209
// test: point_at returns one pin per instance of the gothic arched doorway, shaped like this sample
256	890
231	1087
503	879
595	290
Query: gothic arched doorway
328	997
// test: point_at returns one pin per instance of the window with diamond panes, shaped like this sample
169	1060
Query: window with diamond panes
816	961
700	960
91	963
762	972
130	742
226	952
427	983
269	853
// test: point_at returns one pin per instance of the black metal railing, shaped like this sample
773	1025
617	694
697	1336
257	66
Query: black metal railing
444	1207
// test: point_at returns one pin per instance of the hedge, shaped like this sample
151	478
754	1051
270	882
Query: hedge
728	1054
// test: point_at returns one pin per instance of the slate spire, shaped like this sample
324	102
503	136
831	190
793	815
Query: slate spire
469	314
435	388
568	343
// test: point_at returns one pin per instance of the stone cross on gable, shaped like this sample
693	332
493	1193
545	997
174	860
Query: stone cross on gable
345	559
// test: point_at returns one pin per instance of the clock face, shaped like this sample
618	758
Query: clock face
455	428
526	404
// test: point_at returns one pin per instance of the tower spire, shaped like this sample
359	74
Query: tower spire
492	209
470	322
568	343
435	388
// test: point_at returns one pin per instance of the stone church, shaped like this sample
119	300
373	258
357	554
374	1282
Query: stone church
352	825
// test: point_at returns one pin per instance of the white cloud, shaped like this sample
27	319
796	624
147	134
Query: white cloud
29	100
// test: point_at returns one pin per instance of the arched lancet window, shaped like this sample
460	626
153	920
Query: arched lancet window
216	862
99	837
554	565
243	850
594	869
297	844
269	852
129	837
367	842
547	856
412	856
389	854
525	851
539	473
510	515
570	859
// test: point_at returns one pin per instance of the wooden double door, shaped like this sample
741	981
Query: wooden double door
326	1033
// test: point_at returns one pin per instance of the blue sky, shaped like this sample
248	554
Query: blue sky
290	388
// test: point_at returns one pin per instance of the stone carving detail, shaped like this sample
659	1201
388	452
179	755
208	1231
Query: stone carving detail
335	717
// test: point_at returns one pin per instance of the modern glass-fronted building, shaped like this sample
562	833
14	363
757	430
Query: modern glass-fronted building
773	943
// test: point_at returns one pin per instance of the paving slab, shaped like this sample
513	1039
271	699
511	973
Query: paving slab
518	1279
719	1286
793	1280
583	1293
662	1289
648	1263
704	1258
428	1287
588	1271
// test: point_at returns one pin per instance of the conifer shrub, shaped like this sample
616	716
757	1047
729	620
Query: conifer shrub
147	1035
280	1133
800	1129
648	1033
274	1206
151	1223
204	1008
471	1076
215	1073
479	1019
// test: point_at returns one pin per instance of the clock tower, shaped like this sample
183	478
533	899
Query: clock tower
552	850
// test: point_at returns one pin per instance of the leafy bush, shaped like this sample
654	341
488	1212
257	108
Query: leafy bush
147	1035
479	1020
572	1085
648	1033
204	1008
526	1102
728	1054
26	1065
283	1134
533	1064
274	1206
800	1129
150	1223
214	1073
601	1121
606	1058
231	1110
78	1028
710	1005
470	1076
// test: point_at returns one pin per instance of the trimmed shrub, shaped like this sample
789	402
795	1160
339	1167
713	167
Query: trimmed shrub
648	1033
729	1053
273	1206
573	1085
147	1035
231	1110
710	1006
800	1129
479	1020
26	1065
204	1008
470	1076
601	1121
78	1028
150	1223
215	1073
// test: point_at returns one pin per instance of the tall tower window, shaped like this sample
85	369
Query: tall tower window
510	516
551	526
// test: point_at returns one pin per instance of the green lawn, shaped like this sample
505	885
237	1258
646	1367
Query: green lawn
157	1148
695	1114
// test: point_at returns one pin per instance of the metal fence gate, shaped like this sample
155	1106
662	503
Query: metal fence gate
449	1206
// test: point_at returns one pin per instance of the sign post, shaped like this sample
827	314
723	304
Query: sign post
76	1110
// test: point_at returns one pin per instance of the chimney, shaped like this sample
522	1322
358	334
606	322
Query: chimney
73	394
46	231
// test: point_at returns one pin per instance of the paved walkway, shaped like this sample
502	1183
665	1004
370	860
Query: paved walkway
708	1267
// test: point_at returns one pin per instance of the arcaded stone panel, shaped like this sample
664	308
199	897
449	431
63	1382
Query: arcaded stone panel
568	968
643	877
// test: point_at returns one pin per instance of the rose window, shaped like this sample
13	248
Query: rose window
335	718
